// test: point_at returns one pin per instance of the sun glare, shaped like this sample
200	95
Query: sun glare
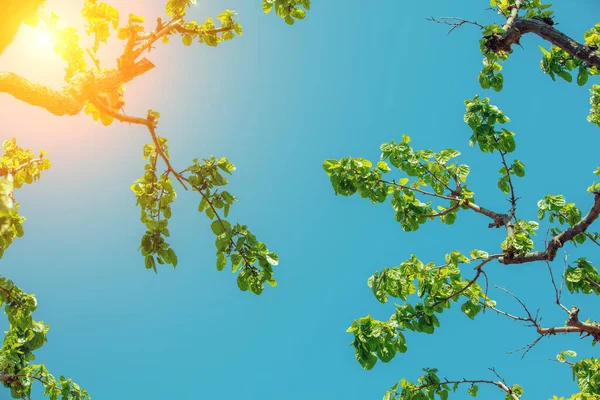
32	54
42	39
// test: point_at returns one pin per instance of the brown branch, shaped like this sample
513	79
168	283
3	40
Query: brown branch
70	101
479	270
533	321
593	283
530	317
181	29
175	24
152	37
97	102
574	325
447	211
214	210
427	170
26	165
499	219
150	123
557	241
72	98
440	196
10	296
522	26
500	312
556	291
500	384
164	156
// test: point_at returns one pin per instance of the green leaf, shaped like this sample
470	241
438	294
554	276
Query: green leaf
242	281
298	13
383	166
238	28
570	353
582	77
267	6
106	119
220	226
186	39
172	256
565	75
221	261
473	390
462	172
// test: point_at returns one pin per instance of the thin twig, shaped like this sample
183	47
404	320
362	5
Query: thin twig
454	22
557	293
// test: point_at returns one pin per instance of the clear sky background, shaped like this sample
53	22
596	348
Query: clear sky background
278	101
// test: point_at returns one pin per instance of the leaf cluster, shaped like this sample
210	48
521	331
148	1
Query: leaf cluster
288	10
437	286
427	169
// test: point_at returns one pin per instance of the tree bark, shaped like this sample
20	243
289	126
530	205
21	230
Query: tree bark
521	26
72	98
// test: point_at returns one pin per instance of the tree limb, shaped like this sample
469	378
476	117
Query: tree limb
558	241
500	384
514	13
149	123
522	26
72	98
574	325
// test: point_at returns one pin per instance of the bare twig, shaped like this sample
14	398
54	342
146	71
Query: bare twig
454	22
557	293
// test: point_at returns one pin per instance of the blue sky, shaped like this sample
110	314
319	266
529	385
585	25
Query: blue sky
277	102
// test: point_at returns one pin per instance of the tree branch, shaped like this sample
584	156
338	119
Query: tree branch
522	26
557	293
447	211
574	325
150	123
558	241
499	219
454	22
479	270
26	165
67	102
500	384
72	98
514	13
154	36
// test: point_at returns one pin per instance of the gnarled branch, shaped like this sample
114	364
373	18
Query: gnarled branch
522	26
72	98
574	325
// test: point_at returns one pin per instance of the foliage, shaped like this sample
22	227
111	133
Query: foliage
20	166
425	185
289	10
